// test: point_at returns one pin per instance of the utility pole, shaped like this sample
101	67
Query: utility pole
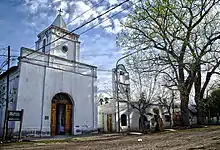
117	98
5	129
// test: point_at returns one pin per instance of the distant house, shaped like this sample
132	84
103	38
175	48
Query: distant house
108	117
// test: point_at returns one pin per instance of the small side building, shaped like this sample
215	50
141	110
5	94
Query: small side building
108	117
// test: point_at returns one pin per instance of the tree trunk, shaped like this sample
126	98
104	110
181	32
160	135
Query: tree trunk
141	124
200	113
184	108
170	118
199	97
199	108
209	116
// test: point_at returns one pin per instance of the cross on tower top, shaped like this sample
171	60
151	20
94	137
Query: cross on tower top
60	11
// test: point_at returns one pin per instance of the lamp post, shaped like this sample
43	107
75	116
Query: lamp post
117	65
123	71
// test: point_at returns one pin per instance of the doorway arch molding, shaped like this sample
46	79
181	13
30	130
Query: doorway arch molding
63	95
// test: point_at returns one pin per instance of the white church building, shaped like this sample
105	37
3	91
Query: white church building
55	90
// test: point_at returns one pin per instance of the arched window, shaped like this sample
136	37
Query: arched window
123	120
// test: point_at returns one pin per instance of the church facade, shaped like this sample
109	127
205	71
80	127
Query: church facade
55	90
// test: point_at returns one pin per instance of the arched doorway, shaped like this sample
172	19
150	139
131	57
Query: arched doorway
61	114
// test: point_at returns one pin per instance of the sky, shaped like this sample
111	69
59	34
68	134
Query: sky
22	20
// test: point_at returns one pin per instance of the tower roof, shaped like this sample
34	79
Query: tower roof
59	22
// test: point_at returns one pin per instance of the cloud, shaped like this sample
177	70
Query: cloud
45	9
98	46
100	50
113	2
33	6
63	5
81	7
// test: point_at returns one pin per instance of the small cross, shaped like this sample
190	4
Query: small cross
60	11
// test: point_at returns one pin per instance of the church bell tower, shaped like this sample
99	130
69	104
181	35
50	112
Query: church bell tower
67	46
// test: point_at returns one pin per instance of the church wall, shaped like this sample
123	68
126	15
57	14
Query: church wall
59	78
73	48
103	111
79	88
29	96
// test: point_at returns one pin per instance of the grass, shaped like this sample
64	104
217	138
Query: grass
82	138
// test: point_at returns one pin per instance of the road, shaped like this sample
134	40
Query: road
195	139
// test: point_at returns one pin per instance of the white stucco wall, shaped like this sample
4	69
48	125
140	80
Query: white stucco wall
76	83
71	41
111	108
103	112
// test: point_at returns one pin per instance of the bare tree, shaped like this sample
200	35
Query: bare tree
12	94
181	37
143	88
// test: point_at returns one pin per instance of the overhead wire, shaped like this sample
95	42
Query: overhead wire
99	69
78	27
91	27
3	48
105	20
85	11
88	30
5	62
79	15
3	65
7	56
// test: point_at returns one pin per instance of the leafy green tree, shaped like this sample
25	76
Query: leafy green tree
180	39
214	104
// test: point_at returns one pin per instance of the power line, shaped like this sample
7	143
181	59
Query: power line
92	27
98	69
7	55
3	48
3	64
9	80
79	15
79	27
105	20
85	12
59	68
105	70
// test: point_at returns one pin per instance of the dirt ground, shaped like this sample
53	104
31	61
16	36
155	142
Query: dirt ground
193	139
